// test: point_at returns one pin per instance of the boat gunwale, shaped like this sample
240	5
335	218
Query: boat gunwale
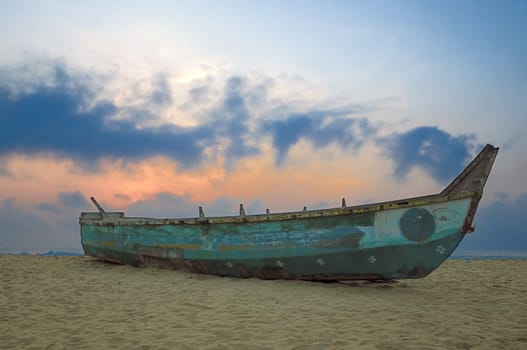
118	218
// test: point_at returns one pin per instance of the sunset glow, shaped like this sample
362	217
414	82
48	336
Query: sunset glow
156	109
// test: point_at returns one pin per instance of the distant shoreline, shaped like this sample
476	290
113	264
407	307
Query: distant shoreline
488	257
48	253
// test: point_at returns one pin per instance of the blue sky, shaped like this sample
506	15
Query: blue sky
281	104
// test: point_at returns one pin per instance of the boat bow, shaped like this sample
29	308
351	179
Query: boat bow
473	179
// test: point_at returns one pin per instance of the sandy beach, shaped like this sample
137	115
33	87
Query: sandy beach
82	303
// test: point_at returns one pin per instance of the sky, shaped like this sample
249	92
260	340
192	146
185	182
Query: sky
155	108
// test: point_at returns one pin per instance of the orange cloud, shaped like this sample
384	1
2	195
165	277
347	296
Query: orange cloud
307	178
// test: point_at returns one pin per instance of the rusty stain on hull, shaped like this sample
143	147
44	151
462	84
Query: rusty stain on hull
405	238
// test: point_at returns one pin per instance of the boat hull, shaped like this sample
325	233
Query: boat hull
391	240
407	241
368	264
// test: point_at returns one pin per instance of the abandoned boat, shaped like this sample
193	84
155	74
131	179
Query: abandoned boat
399	239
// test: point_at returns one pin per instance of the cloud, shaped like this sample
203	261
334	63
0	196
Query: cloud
20	228
198	94
163	205
230	121
43	226
167	205
48	207
320	127
500	226
287	133
4	170
430	148
122	196
64	116
73	199
161	94
58	118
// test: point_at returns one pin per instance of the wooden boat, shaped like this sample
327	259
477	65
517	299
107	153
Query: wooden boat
399	239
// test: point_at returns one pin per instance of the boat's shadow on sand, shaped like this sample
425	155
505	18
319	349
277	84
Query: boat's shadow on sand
374	284
366	284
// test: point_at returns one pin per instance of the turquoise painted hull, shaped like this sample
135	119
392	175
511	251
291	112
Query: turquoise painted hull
393	240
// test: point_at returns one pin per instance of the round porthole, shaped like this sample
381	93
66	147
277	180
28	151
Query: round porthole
417	224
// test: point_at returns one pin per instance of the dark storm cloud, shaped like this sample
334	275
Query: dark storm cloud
430	148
